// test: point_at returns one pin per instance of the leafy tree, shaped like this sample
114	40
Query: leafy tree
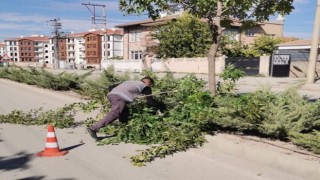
233	48
186	36
265	44
218	13
262	45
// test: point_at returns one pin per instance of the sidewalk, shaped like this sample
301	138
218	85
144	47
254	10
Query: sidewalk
310	91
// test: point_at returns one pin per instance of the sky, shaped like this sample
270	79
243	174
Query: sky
30	17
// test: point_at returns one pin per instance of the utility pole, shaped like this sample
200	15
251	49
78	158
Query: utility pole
99	19
314	46
56	36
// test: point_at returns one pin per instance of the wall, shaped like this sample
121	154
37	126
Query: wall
299	69
179	65
186	65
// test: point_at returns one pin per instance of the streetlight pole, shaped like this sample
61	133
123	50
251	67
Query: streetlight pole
314	46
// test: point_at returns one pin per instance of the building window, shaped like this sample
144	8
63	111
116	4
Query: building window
136	55
250	33
135	36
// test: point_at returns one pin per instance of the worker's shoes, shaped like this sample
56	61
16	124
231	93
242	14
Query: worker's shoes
93	133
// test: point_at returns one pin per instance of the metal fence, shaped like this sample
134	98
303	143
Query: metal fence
249	65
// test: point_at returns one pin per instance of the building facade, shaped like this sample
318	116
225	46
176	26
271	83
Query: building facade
137	38
88	48
3	49
12	49
299	51
93	49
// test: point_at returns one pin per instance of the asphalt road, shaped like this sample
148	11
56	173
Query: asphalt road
225	157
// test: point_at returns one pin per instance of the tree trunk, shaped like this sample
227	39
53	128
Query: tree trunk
214	49
212	68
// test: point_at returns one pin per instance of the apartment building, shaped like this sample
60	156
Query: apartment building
136	34
77	48
33	49
93	51
91	48
99	49
114	44
3	50
12	49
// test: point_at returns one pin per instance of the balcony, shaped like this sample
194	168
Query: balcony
70	42
70	50
38	50
38	45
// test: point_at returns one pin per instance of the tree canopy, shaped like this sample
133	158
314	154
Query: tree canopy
262	45
185	36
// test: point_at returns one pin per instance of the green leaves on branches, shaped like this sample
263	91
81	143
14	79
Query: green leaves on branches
186	36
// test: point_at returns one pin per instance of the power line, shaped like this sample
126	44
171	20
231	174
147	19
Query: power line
56	36
99	19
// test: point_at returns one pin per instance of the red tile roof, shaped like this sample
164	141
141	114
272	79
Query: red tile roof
35	38
79	34
109	32
12	39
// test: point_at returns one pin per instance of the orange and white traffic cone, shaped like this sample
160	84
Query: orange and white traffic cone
52	147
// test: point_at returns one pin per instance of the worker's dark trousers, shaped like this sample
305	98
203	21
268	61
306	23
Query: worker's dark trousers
119	110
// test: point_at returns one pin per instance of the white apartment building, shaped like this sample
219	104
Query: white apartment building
114	44
75	48
76	45
3	49
12	49
42	49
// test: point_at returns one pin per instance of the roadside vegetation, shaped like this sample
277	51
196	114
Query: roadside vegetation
191	112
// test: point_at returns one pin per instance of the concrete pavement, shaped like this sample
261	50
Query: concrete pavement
225	156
